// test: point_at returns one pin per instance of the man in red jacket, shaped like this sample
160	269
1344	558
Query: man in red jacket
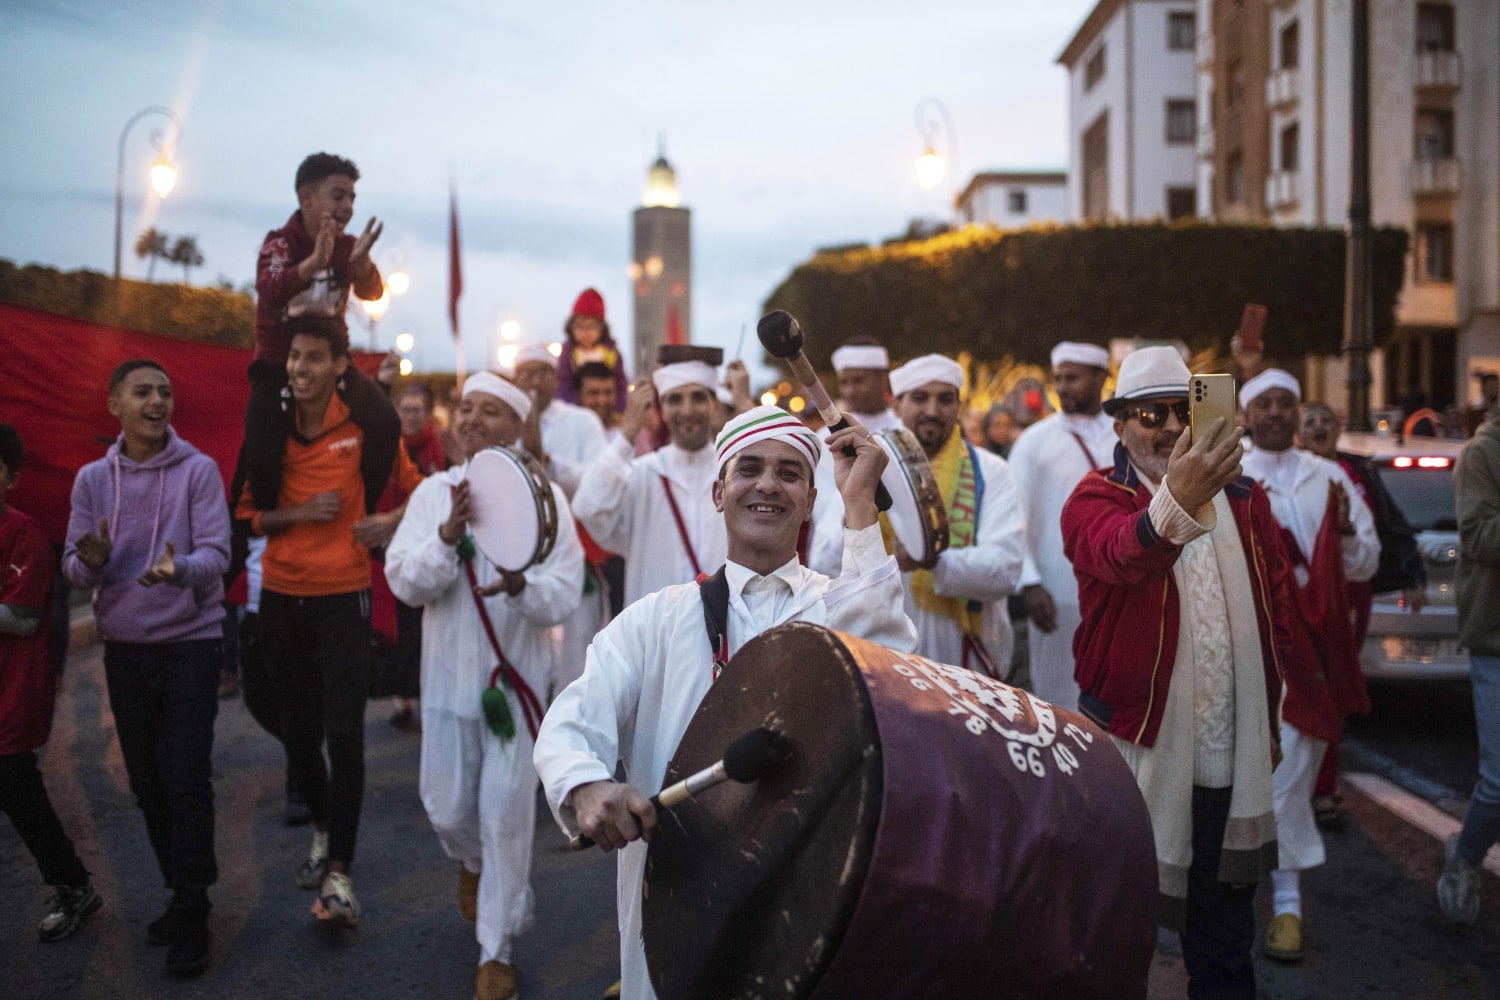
1185	599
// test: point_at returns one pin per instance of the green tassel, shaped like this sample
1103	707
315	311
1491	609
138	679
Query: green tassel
466	549
497	714
589	586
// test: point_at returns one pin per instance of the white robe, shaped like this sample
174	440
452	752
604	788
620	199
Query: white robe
649	669
573	437
479	792
622	503
1047	463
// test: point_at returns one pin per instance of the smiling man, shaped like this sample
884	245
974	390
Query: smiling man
648	670
149	535
478	786
958	600
315	603
657	509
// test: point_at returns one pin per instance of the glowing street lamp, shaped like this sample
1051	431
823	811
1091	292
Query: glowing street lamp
405	366
376	308
510	331
397	281
930	169
163	174
405	342
933	120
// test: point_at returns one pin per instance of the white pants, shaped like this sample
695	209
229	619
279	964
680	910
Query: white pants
480	795
1298	841
1051	656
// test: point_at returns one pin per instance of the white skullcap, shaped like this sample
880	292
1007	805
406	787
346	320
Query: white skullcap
766	423
675	376
1091	355
927	368
861	356
1271	378
534	353
1149	373
507	392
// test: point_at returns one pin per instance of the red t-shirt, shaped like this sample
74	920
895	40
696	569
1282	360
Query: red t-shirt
27	682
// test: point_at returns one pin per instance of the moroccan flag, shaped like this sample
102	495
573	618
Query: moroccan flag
455	267
674	325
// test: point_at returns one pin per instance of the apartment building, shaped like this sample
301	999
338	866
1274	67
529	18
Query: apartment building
1010	199
1133	111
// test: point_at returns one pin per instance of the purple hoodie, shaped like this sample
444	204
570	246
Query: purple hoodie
175	496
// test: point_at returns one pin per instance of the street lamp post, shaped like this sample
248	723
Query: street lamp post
163	174
933	119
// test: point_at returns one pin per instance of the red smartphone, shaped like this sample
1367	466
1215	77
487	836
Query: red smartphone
1252	324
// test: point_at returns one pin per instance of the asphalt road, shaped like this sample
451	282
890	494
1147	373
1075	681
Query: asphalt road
1372	924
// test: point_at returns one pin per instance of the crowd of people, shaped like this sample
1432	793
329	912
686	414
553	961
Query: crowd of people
1201	597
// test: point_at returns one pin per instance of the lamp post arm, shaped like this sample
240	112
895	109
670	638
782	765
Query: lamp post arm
154	109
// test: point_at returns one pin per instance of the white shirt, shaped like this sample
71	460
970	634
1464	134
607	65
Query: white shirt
649	669
1297	484
622	502
457	658
1047	462
572	437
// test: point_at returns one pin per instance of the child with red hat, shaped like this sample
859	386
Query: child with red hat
589	340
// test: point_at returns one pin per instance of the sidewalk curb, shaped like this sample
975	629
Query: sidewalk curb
1415	811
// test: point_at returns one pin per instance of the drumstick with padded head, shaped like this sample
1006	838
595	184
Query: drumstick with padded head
781	336
746	760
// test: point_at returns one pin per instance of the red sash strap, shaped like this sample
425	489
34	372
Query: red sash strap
531	706
681	527
985	663
1086	453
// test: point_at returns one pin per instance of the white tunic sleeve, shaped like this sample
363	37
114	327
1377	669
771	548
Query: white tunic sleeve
418	566
867	598
555	586
602	501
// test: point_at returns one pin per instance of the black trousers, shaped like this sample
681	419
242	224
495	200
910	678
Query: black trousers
317	650
268	421
164	697
1220	928
24	799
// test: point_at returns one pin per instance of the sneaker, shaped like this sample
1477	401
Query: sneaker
468	894
1284	938
496	981
1328	812
1458	886
315	869
68	907
336	901
189	952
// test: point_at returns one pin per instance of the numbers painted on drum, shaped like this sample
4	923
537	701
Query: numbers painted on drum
1080	735
1066	762
1029	759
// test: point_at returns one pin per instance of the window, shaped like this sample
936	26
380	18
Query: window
1015	200
1182	203
1181	31
1289	137
1096	169
1290	44
1093	70
1234	179
1434	252
1181	121
1236	95
1434	134
1435	27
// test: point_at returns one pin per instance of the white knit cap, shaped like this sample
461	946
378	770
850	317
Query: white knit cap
1271	378
1091	355
861	356
534	353
675	376
766	423
507	392
927	368
1149	373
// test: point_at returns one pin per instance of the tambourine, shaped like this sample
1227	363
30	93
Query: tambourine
917	514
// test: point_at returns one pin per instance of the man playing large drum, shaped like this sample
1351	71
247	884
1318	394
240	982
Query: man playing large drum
477	784
648	670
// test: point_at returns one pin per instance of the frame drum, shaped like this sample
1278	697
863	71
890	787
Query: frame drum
917	515
515	514
934	834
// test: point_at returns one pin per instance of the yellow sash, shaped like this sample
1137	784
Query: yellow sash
953	468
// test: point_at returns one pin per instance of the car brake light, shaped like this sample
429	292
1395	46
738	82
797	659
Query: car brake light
1434	462
1401	463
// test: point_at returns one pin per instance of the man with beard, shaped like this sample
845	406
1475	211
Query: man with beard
1312	499
594	385
1185	602
1047	461
958	600
649	668
657	510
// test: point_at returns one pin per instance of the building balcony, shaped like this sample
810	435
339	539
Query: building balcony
1430	177
1282	88
1438	70
1205	142
1281	189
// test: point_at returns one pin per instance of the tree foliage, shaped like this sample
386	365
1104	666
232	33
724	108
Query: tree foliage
152	245
208	315
1016	293
185	252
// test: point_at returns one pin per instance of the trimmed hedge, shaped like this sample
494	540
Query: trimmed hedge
207	315
996	293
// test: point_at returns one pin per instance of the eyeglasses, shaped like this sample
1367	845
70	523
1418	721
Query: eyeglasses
1154	415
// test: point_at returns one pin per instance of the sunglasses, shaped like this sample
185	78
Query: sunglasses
1154	415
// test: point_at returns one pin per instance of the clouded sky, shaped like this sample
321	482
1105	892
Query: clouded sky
790	126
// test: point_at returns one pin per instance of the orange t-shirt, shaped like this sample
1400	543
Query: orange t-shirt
316	560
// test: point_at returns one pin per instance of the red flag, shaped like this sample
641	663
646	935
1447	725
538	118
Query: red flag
455	268
674	325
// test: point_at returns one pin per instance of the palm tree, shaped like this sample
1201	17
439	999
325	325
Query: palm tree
151	244
185	252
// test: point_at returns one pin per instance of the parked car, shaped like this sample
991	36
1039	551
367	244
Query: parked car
1421	646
